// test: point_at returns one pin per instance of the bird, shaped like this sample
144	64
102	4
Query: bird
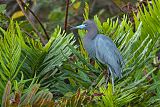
102	48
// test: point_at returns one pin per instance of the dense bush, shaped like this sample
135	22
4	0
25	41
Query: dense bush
59	73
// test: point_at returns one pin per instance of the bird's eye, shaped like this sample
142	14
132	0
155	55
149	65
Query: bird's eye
85	24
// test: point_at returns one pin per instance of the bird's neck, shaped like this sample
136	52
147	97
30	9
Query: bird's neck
91	34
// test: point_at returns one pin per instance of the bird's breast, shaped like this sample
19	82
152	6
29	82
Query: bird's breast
89	46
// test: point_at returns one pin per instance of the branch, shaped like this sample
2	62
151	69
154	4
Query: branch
36	19
66	15
30	21
117	6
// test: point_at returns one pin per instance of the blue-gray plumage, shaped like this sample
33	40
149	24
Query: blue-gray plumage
102	48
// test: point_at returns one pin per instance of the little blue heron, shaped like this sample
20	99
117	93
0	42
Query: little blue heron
101	47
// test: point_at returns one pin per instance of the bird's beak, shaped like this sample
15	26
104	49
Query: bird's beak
83	26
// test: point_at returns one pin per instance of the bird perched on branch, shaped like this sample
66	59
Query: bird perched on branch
101	47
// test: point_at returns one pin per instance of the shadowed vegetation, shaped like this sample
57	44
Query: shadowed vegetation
57	72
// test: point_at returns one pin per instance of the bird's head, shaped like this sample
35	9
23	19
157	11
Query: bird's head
87	25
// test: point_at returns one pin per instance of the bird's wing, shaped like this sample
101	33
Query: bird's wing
107	53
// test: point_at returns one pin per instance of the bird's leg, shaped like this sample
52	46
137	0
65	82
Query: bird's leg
106	75
112	76
105	72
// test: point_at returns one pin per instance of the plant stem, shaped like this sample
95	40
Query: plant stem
66	15
37	20
30	21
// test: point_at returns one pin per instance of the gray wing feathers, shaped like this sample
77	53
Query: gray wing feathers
107	53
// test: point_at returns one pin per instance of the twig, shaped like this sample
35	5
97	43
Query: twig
30	21
28	34
66	15
36	19
93	4
117	6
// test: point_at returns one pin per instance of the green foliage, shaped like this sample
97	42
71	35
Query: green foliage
10	52
35	75
73	1
86	11
137	49
79	99
2	8
26	60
